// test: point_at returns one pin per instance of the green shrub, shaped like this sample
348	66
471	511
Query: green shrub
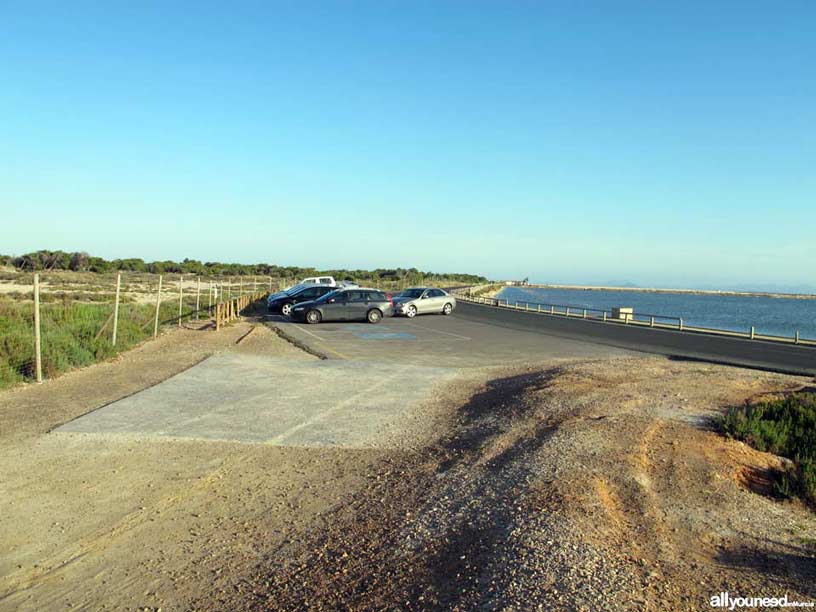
785	427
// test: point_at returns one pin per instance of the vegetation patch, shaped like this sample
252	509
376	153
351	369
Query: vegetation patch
74	334
785	427
46	260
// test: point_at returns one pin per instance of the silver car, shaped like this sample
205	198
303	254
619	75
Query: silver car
423	300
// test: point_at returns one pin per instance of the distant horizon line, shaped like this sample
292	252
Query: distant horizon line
806	291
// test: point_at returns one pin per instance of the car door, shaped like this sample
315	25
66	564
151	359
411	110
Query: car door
436	300
424	303
335	308
357	307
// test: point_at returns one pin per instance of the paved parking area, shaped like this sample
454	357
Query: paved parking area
249	398
437	340
365	394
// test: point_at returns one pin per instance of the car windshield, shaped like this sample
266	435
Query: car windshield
412	293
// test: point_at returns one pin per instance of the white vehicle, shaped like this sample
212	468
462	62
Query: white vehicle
325	281
328	281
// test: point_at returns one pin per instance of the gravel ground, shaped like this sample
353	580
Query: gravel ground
568	486
583	487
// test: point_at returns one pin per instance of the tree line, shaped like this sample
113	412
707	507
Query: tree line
45	260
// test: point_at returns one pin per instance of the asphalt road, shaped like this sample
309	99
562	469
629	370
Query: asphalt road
477	335
436	340
718	349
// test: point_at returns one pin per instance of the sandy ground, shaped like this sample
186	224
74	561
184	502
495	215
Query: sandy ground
102	523
590	485
136	288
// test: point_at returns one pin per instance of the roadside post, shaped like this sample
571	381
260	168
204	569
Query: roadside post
116	308
37	340
158	305
198	297
181	295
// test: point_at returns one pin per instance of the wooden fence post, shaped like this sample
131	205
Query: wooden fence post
37	340
198	297
116	308
217	317
209	298
181	295
229	289
158	305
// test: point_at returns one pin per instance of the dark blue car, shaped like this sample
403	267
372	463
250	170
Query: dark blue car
284	301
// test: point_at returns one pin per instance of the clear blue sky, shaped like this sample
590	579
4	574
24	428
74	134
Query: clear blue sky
663	143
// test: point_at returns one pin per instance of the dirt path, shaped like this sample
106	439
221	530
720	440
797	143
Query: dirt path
100	523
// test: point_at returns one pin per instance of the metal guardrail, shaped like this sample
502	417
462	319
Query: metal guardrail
634	319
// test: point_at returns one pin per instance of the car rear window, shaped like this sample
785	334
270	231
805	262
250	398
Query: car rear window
377	296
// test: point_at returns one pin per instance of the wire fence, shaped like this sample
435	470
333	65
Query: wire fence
49	325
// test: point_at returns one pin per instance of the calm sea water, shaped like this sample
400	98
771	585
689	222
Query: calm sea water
775	316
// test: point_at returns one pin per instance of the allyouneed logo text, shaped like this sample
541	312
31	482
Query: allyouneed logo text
724	600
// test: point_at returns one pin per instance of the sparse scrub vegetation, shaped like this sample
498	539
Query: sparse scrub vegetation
785	427
71	334
45	260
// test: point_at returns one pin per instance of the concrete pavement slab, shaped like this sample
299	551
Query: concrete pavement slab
250	398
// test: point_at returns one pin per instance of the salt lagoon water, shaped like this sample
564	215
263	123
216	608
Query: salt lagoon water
777	316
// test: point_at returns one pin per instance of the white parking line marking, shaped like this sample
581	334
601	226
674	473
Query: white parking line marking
306	331
337	407
439	331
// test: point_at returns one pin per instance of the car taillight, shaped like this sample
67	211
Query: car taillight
390	298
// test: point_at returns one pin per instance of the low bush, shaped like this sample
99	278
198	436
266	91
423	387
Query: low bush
785	427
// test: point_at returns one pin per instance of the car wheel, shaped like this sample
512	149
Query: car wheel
286	309
447	309
411	312
374	316
313	317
